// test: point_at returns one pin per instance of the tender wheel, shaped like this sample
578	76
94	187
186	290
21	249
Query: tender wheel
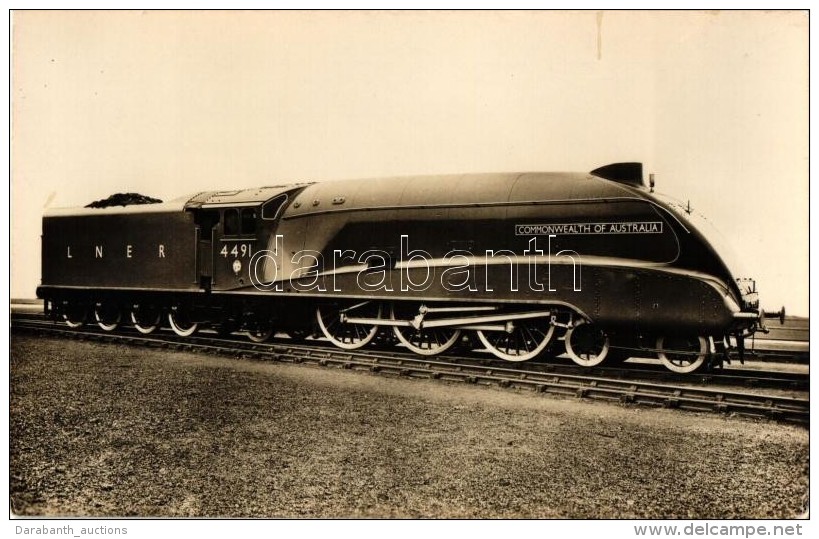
146	320
586	344
181	324
108	316
426	342
682	353
524	340
346	335
74	316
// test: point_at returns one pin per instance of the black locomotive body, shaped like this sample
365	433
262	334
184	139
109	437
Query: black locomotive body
514	259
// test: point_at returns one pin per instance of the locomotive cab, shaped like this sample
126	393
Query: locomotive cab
235	240
232	227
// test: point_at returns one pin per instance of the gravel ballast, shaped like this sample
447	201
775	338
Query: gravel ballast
111	430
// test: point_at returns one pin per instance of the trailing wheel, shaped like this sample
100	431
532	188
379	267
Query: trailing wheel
522	340
345	334
181	323
108	316
423	341
586	344
682	353
75	315
260	331
146	319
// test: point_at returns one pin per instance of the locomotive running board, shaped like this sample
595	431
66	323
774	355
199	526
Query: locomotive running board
460	323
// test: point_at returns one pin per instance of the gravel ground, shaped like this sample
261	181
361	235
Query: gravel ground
110	430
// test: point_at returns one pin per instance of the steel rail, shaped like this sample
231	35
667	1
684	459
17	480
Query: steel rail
787	409
643	371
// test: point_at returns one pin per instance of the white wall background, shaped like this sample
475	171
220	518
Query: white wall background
169	103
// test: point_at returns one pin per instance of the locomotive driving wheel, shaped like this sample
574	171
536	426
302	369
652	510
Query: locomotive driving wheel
181	323
423	341
146	319
108	316
332	321
682	353
522	340
586	344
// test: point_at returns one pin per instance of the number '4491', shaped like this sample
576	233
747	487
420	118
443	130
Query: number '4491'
239	250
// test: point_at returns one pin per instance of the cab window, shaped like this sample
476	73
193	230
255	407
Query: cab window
273	208
231	222
248	221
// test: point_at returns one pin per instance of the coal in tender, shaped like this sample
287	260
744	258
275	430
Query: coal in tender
123	199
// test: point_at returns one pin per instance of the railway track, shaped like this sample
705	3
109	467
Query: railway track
730	377
776	356
540	378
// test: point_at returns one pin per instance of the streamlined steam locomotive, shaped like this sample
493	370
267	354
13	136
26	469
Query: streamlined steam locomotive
520	261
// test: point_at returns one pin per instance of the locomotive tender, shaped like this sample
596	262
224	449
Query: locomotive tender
519	260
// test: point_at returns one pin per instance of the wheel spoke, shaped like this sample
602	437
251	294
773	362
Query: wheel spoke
522	345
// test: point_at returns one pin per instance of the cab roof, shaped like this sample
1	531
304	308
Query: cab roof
239	197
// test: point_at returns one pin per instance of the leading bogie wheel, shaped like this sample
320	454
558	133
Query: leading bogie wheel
587	344
344	334
682	354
